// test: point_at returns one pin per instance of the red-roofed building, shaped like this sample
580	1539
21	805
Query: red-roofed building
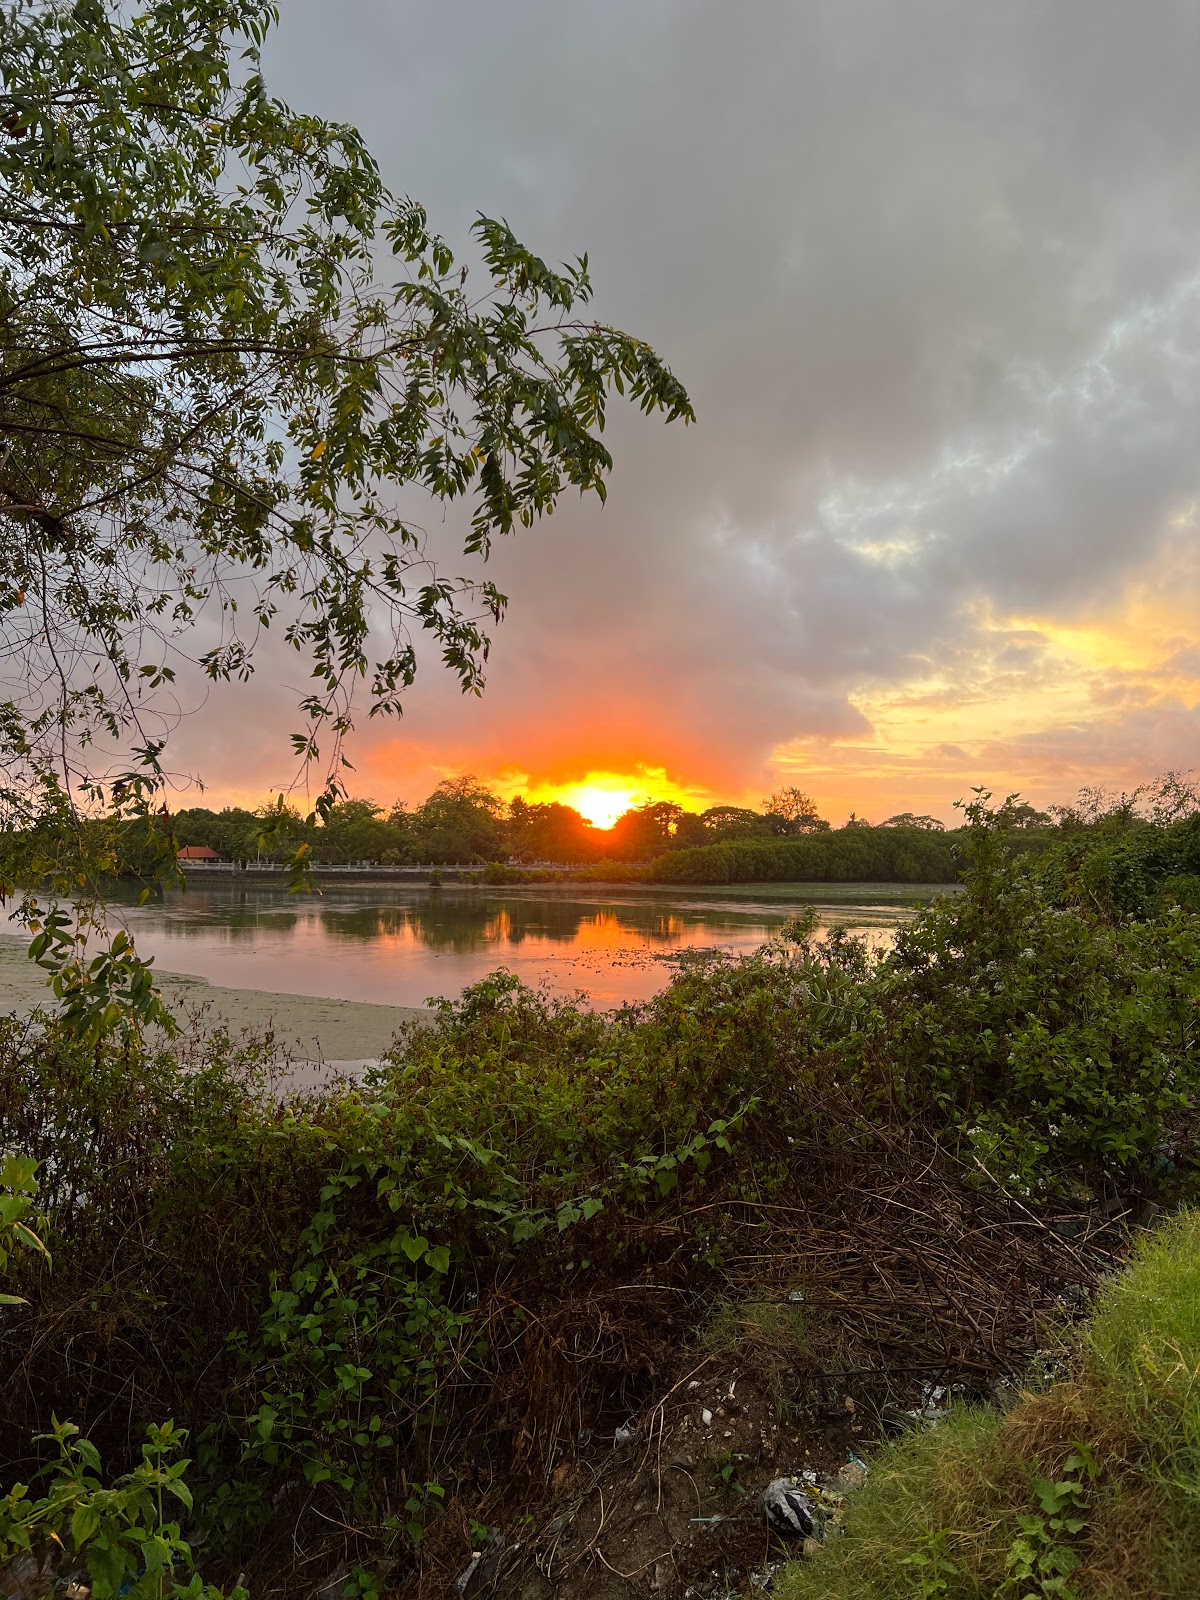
198	852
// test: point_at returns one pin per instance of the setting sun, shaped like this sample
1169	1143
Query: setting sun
601	797
600	806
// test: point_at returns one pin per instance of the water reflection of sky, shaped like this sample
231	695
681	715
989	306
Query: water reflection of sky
399	946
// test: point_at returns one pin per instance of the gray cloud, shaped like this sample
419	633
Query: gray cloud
930	273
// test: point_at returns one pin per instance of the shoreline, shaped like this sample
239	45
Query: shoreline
312	1028
306	1028
815	891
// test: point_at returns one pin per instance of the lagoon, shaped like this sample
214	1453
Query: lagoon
400	945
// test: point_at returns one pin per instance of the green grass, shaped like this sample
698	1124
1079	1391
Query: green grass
769	1338
948	1513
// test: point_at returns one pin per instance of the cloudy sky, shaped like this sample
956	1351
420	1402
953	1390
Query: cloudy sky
931	273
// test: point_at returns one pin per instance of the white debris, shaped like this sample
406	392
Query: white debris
789	1510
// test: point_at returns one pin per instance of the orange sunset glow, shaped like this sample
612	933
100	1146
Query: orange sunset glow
936	522
601	797
598	803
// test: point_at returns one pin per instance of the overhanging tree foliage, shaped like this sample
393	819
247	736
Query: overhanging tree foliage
225	348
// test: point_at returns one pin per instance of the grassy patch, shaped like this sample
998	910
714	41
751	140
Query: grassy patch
770	1339
1090	1489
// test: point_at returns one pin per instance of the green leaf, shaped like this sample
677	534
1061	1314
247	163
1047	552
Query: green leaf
84	1524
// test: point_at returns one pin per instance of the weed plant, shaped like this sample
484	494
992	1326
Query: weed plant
769	1336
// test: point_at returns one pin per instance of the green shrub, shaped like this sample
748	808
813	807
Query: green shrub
321	1290
123	1531
126	1533
298	1280
501	872
609	871
1123	865
1053	1038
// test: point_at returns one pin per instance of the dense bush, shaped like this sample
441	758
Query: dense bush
297	1283
1050	1034
1125	866
325	1290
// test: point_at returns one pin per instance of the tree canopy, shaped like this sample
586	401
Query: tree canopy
793	811
911	819
225	347
225	350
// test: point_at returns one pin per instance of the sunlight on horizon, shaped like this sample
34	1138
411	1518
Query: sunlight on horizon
601	797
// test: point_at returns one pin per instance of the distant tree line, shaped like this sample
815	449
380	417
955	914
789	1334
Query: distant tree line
854	854
1119	853
463	822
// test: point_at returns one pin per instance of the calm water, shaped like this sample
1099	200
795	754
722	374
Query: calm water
399	945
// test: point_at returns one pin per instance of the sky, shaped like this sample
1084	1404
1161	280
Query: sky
931	274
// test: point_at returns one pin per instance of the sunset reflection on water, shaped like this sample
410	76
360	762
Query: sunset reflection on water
400	946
